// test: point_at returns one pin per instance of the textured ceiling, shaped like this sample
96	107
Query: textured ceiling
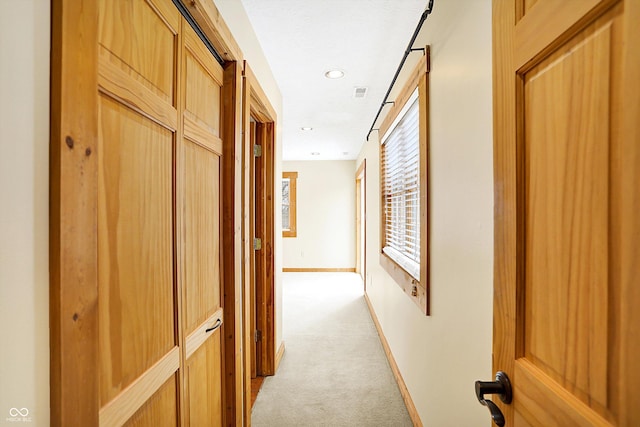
302	39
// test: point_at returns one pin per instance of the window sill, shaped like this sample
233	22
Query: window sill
412	287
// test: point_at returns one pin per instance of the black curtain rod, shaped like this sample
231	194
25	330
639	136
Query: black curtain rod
410	49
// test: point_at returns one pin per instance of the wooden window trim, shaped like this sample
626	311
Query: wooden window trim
293	224
417	290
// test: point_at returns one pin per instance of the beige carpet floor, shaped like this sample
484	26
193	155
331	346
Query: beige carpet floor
334	371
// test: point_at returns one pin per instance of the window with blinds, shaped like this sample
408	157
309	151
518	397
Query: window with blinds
400	167
286	204
289	185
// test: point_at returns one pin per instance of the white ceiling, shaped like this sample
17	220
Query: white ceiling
302	39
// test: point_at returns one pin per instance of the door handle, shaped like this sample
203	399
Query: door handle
502	387
214	327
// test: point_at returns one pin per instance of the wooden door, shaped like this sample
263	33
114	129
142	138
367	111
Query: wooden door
567	169
263	266
200	203
253	309
259	266
139	343
159	196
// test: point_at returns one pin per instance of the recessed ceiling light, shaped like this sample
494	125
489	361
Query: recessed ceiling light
306	128
315	153
334	74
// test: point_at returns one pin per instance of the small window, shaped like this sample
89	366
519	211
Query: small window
404	192
289	225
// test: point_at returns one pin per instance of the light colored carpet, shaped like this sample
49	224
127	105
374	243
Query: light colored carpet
334	371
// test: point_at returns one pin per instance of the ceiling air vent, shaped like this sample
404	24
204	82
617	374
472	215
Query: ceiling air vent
360	92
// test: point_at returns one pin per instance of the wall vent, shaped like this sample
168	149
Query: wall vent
360	92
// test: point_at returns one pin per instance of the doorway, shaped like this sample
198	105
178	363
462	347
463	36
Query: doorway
258	233
361	222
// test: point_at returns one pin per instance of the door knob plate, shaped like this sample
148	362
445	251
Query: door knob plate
502	387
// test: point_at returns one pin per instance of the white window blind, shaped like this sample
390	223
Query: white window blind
286	205
400	160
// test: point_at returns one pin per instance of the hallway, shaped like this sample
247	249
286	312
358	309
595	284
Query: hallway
334	370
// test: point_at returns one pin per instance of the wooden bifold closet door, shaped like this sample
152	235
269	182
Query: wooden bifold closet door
159	204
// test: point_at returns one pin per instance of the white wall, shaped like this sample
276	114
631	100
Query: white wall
326	215
238	22
24	212
442	355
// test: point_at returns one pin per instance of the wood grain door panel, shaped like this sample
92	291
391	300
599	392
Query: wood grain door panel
135	239
567	215
563	323
160	410
202	234
141	37
203	91
201	151
205	384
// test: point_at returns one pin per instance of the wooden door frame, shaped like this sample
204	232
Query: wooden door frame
73	291
256	105
73	243
361	252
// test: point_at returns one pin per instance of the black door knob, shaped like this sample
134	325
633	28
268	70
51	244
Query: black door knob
502	387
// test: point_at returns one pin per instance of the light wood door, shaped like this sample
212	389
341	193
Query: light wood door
201	150
253	289
159	210
139	357
262	214
567	168
258	254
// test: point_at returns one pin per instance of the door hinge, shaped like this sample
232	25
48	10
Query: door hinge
257	244
257	150
258	336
